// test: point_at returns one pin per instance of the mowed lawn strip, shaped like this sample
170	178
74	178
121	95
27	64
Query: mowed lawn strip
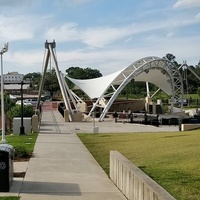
27	142
9	198
172	159
23	143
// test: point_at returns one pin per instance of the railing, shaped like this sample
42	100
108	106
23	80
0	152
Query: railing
61	108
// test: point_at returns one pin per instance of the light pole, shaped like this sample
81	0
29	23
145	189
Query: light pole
4	49
22	111
22	131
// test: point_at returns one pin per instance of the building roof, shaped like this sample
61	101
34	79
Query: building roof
15	86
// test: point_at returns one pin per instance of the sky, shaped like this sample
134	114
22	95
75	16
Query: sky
107	35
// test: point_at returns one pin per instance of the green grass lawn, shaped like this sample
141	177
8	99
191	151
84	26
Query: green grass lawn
193	96
23	146
9	198
27	140
171	159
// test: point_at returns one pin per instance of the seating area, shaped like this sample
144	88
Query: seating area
141	118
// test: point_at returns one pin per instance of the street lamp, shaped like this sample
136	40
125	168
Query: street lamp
4	49
22	111
22	132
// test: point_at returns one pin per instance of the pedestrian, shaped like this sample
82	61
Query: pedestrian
157	120
115	116
145	119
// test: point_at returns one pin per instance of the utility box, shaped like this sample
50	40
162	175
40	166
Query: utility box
6	167
26	123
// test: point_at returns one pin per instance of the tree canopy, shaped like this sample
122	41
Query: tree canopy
34	78
51	82
83	73
132	89
172	58
190	81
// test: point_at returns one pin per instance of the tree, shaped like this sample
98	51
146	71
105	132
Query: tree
12	110
198	91
34	80
51	82
92	73
171	58
81	73
192	81
8	104
27	112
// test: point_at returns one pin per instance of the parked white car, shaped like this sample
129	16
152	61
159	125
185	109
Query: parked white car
32	101
25	103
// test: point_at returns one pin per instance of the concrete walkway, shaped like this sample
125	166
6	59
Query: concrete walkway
62	167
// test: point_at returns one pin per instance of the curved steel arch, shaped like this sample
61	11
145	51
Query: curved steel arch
144	65
158	71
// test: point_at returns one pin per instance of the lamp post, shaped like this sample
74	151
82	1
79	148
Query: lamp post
22	111
22	132
4	49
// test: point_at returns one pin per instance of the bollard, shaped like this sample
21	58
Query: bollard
35	124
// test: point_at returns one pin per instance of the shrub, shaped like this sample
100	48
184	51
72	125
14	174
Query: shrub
21	153
28	111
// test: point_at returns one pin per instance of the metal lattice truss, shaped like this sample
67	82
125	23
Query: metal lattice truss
160	72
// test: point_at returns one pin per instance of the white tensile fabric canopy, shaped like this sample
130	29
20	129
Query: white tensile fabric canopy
160	72
94	88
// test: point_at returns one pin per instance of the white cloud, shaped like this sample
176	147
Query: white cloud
66	32
101	36
15	28
187	3
107	60
157	37
21	27
28	57
23	61
96	37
